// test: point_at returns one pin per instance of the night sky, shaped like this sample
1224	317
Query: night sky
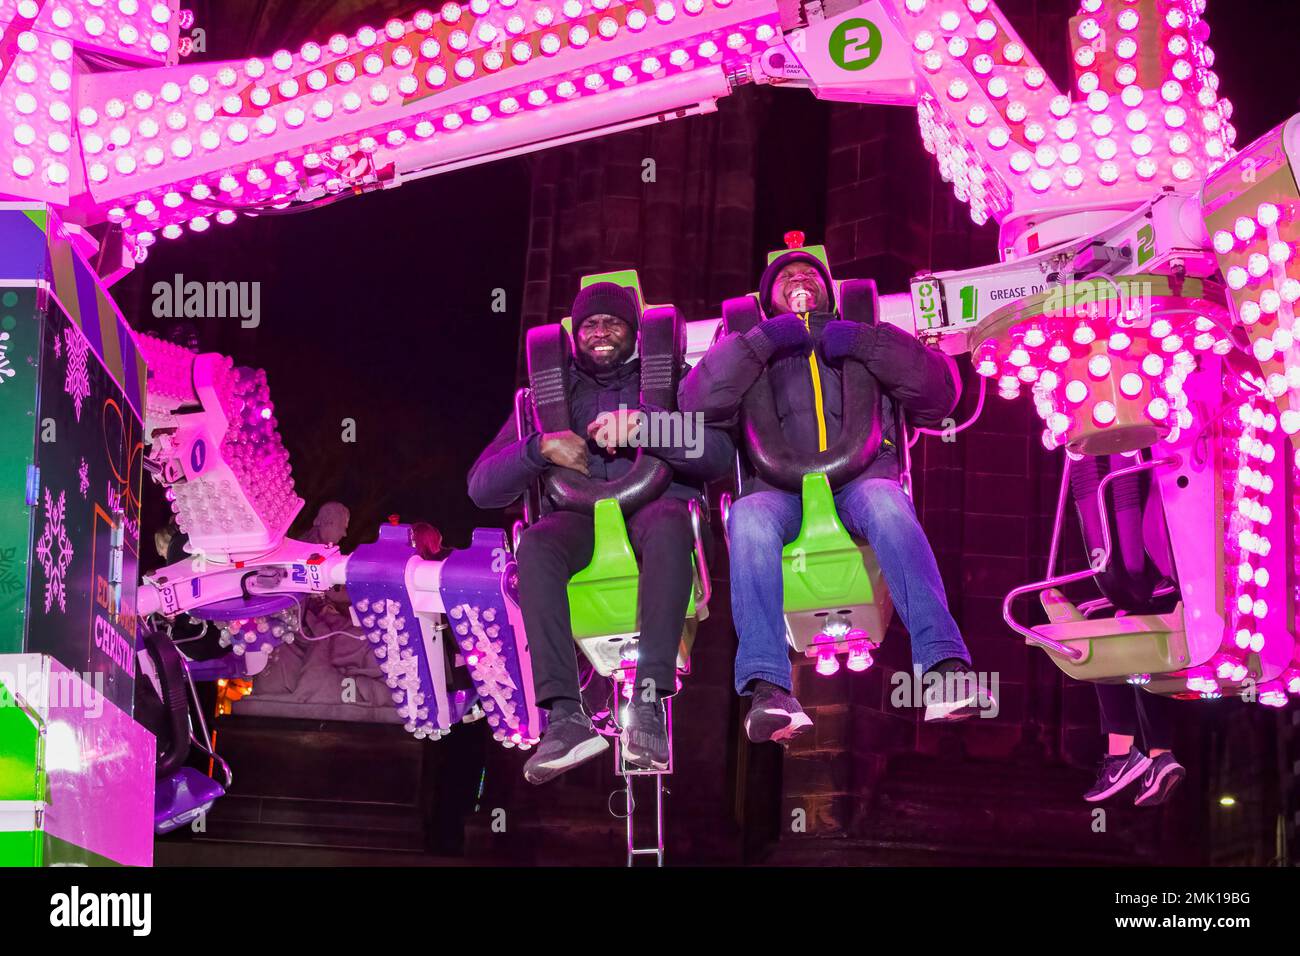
379	308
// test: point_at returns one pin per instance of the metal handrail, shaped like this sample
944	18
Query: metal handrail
905	447
521	399
724	505
205	746
30	710
704	591
1100	565
1055	549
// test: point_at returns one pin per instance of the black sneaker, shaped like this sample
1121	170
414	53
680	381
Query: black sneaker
1117	772
1162	776
774	714
953	692
568	742
645	737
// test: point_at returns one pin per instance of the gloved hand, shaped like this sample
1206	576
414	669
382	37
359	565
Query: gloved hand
785	332
841	340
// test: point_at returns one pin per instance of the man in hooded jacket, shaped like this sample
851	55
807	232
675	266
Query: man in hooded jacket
604	404
801	345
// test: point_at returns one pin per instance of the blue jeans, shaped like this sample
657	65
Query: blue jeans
877	509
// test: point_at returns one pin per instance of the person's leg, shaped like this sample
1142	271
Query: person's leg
1119	716
879	510
550	552
759	526
1155	719
1123	763
661	537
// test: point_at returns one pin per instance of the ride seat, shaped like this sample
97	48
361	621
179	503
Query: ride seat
834	594
835	599
1133	648
604	597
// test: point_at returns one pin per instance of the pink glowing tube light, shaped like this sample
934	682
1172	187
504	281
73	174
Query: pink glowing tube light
182	148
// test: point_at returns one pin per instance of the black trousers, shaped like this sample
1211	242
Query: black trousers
560	545
1132	712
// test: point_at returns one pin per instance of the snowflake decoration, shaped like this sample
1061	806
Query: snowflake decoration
6	370
58	347
10	580
83	474
76	382
55	551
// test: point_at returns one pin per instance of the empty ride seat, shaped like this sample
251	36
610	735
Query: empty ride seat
1116	650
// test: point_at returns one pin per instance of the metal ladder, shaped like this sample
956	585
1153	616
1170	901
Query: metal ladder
629	774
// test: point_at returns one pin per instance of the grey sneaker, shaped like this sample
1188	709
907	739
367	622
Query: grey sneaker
568	742
645	738
953	692
774	714
1116	773
1162	776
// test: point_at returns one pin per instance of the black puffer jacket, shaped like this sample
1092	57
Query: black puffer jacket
506	468
919	381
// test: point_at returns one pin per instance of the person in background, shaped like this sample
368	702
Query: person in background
330	525
428	541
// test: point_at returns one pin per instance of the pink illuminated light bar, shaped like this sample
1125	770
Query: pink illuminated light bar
186	147
1145	111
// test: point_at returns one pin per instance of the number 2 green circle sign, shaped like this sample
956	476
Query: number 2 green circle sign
855	44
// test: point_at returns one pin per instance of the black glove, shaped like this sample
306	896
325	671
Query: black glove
841	340
783	333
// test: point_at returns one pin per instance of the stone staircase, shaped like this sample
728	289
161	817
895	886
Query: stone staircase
315	793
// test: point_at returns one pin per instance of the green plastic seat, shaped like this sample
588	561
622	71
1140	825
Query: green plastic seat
604	597
834	592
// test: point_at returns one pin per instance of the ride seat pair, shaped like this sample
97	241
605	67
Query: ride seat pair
835	599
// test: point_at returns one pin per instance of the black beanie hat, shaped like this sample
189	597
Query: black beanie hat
605	298
768	280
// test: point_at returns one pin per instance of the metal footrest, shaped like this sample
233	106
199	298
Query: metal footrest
629	774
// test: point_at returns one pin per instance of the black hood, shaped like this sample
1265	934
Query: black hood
780	262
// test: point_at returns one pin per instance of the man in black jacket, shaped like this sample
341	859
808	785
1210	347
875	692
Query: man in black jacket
605	407
802	348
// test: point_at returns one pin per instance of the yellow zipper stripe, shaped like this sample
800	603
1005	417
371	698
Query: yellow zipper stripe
817	389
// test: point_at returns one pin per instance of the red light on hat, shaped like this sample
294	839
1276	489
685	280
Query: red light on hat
394	519
793	239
